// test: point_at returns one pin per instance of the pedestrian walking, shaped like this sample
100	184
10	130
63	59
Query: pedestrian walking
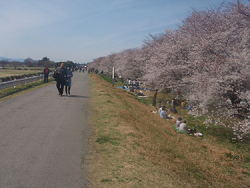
46	73
61	79
68	81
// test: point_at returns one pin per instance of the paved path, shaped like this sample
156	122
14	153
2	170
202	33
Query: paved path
43	138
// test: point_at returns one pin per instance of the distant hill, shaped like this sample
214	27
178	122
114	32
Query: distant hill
12	59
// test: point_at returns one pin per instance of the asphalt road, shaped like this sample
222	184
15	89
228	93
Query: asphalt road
43	138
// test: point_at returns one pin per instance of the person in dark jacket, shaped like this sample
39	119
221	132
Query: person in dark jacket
46	73
61	79
174	110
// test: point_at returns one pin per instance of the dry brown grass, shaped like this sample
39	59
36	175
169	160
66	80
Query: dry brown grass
140	149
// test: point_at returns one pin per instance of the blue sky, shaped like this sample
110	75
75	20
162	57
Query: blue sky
82	30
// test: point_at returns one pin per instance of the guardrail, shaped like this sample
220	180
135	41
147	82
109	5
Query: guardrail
21	81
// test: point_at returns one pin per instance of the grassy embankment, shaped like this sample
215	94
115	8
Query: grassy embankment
132	147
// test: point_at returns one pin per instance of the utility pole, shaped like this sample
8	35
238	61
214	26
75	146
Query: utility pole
113	76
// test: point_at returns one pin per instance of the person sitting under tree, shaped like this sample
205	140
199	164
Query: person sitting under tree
163	113
183	126
178	122
183	104
173	110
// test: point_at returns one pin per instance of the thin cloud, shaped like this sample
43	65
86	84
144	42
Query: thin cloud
77	28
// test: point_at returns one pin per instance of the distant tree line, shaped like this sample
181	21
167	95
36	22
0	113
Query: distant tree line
29	62
66	64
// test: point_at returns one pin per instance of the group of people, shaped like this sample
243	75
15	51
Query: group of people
163	111
81	69
180	124
63	78
133	83
182	103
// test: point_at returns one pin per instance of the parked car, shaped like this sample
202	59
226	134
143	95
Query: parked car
19	69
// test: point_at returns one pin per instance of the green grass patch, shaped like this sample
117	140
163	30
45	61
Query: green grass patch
106	180
107	139
230	155
107	78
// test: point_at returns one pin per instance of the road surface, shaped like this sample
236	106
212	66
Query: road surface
43	138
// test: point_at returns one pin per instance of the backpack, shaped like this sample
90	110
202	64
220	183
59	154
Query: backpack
55	75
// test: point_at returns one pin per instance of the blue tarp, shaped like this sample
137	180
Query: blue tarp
124	87
134	88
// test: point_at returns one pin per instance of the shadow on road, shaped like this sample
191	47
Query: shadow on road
78	96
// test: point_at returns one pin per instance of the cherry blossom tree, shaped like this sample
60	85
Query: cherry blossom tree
207	57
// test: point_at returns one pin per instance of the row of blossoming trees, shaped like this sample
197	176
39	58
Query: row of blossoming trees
207	58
